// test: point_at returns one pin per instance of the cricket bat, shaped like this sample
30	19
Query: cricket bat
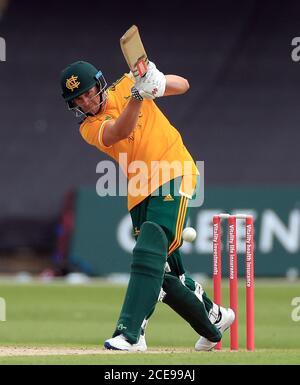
134	52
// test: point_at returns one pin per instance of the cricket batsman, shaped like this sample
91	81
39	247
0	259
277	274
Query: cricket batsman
124	120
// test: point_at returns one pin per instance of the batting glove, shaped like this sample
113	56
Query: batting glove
153	84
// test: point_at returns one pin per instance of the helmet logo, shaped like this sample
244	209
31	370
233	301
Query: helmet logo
72	83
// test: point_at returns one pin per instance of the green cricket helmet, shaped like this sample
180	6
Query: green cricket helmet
78	78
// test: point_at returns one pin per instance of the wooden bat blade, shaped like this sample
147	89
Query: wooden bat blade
134	51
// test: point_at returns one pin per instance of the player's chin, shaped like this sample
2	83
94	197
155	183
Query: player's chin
96	110
92	110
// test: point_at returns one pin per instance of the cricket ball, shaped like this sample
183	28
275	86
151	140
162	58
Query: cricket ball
189	234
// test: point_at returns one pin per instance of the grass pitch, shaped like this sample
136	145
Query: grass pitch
61	324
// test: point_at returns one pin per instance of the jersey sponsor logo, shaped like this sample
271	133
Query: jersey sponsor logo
72	83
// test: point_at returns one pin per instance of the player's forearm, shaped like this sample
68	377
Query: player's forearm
176	85
127	121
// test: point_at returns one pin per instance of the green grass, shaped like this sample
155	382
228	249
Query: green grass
291	357
60	315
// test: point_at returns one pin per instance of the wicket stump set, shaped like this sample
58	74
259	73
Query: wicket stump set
233	275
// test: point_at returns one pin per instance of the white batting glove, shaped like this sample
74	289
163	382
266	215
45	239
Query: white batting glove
153	84
151	66
146	93
157	78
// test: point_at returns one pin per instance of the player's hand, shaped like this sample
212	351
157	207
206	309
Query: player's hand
151	66
157	78
146	91
153	84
